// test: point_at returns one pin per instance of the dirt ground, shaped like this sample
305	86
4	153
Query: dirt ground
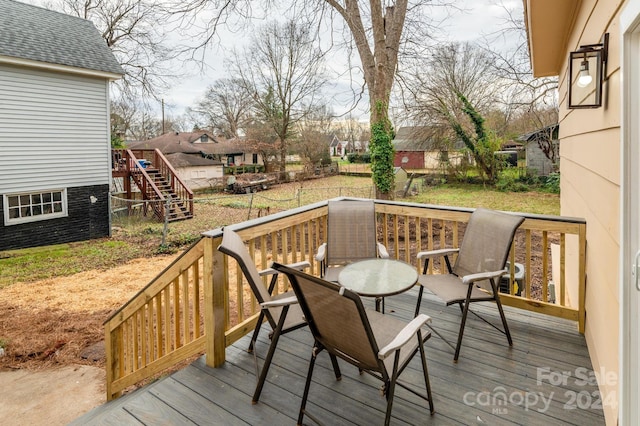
50	325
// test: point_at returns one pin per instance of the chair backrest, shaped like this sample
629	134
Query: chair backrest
233	246
486	242
338	321
351	233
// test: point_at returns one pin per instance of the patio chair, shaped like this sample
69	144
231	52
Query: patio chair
478	267
351	236
283	312
378	344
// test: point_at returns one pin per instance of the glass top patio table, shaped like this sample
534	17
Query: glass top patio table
378	278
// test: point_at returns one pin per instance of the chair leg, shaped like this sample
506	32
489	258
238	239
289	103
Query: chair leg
465	311
504	321
256	331
272	349
425	371
391	388
336	367
419	301
307	385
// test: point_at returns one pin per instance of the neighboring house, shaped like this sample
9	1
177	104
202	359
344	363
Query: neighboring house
55	167
337	147
203	143
542	150
600	176
196	172
417	148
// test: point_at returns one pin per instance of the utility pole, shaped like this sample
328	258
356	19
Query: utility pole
163	116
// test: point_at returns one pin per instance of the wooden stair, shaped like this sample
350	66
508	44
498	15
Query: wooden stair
157	181
178	208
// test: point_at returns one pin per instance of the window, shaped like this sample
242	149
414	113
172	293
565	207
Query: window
33	206
204	138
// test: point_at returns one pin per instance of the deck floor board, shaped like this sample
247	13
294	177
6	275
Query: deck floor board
545	378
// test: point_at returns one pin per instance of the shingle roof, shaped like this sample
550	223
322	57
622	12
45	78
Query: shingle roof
33	33
171	142
420	138
180	159
189	143
551	130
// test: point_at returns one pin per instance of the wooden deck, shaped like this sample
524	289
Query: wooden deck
545	378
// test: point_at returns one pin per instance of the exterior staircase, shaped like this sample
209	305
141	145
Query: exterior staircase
178	208
159	184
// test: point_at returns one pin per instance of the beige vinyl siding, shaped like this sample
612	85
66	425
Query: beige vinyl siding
53	130
590	188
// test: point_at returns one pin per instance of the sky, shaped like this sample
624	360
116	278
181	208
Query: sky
479	18
476	19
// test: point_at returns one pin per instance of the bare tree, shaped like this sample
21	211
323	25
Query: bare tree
452	68
521	91
134	31
225	106
374	29
282	70
455	86
261	138
313	137
351	131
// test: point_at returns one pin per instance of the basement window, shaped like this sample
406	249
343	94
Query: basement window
34	206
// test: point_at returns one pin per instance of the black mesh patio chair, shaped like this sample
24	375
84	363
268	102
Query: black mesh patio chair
283	312
479	264
378	344
351	236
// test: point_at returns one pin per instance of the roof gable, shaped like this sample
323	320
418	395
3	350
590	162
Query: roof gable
35	34
421	138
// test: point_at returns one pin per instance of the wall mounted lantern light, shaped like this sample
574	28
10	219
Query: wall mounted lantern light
587	71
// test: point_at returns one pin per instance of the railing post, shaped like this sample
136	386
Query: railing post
582	276
214	308
113	342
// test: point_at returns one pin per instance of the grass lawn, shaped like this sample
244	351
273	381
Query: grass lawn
143	239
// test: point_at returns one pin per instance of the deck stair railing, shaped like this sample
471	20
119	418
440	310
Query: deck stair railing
157	181
201	302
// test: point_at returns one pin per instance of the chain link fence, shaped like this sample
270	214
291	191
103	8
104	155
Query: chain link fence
213	210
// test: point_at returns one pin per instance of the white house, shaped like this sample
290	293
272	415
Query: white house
55	167
196	171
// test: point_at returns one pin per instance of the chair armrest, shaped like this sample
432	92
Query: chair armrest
285	301
404	336
322	252
436	253
298	265
481	276
382	251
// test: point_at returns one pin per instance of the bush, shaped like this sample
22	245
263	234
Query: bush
552	183
354	157
509	184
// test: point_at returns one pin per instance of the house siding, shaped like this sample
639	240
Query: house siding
409	160
53	130
85	220
200	177
590	188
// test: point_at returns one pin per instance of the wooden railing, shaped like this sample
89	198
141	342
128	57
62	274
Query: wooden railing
181	190
201	302
127	163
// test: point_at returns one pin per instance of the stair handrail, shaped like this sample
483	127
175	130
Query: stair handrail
184	192
156	191
173	172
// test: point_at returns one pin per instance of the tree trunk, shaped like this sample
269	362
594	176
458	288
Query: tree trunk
379	65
